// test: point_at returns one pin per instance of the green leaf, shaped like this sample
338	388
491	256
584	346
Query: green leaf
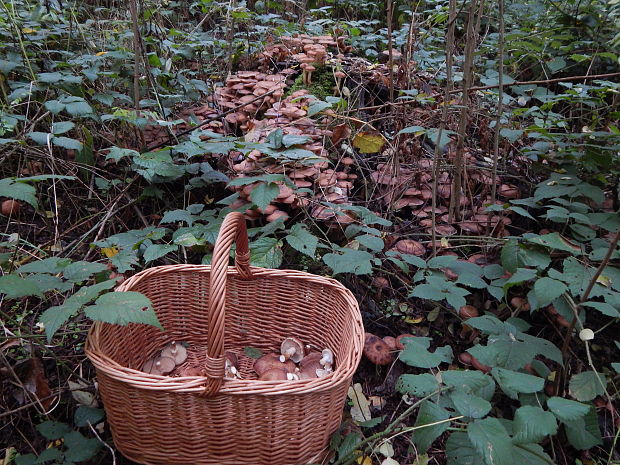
531	454
85	415
266	252
302	240
349	261
123	308
13	189
54	317
416	353
371	242
54	106
605	308
81	270
584	433
79	447
26	459
557	242
515	255
155	251
460	450
88	293
417	130
49	454
585	386
62	126
490	439
53	430
116	153
533	424
547	290
470	381
67	143
50	265
470	405
79	108
15	287
429	413
417	385
513	382
263	194
567	410
252	352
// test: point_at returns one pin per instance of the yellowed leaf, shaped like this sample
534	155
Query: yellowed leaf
109	251
28	30
101	53
367	142
361	407
364	460
8	456
386	449
414	321
444	242
377	402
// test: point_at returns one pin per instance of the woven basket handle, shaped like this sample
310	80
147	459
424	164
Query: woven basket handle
233	230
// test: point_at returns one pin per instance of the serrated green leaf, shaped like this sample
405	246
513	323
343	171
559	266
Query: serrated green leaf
155	251
13	189
584	433
513	382
470	405
461	451
81	270
123	308
547	290
349	261
490	439
67	143
266	252
531	454
85	415
263	194
533	424
416	353
79	447
586	386
567	410
302	240
417	385
371	242
557	242
515	255
15	287
429	413
56	316
53	430
50	265
88	293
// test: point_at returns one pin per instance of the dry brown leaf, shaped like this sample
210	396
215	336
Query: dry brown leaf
36	383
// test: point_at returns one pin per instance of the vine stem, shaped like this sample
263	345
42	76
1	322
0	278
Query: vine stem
390	427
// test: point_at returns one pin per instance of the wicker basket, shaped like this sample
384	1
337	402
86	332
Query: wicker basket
216	420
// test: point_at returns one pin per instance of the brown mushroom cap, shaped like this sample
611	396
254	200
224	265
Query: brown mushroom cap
376	350
162	366
468	311
309	365
175	351
390	341
410	247
274	374
269	361
399	340
293	349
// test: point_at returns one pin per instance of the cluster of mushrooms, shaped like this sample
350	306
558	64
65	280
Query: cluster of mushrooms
294	363
164	363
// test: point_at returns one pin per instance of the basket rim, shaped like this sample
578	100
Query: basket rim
195	384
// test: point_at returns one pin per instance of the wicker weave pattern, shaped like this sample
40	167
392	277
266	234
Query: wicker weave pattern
210	420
